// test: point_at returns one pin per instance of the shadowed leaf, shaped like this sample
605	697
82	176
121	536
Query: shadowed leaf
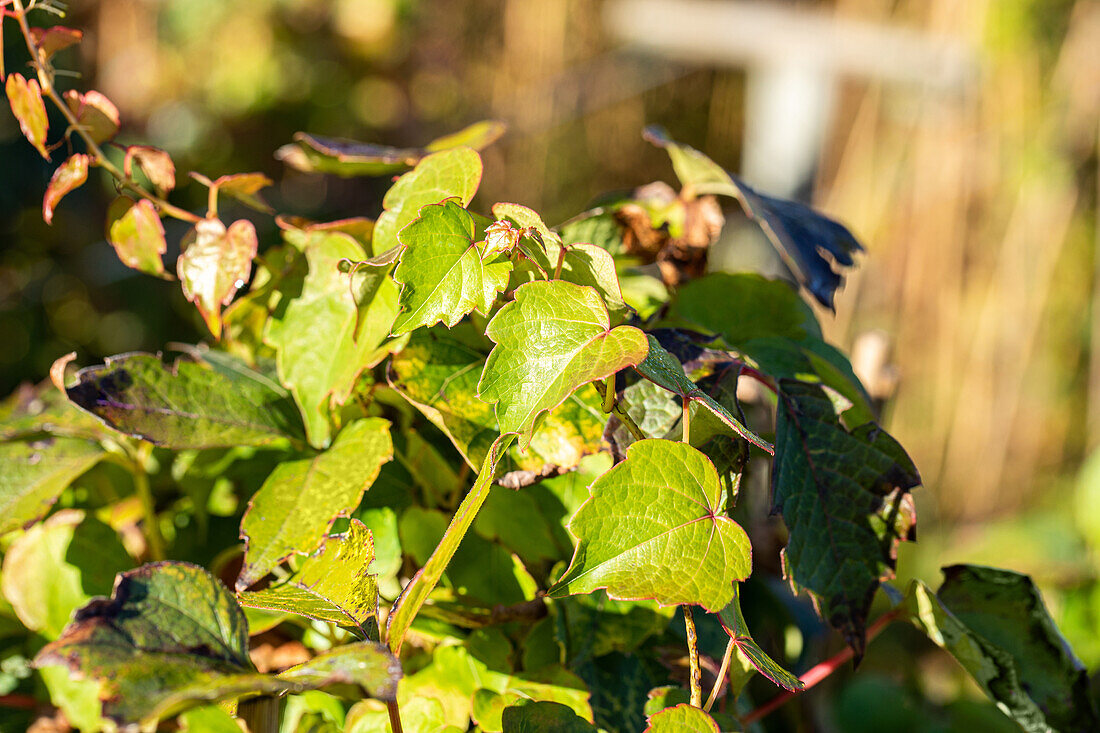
135	231
43	408
734	624
96	115
215	264
26	102
743	306
329	325
652	529
442	273
331	585
553	338
69	176
245	187
55	38
34	472
301	499
539	716
994	622
844	496
801	235
183	406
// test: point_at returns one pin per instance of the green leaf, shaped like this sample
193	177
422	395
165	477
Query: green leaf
553	338
26	102
313	153
665	370
540	716
215	264
33	473
994	622
301	499
553	684
68	177
683	718
416	592
744	306
185	405
454	173
208	719
135	231
801	235
442	273
43	408
57	566
652	529
844	496
327	327
734	624
172	637
331	585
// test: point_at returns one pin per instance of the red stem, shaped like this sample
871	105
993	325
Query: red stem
819	672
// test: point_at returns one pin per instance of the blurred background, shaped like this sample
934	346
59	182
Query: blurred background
958	140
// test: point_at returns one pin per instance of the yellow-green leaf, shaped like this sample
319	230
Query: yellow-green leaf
69	176
26	102
135	231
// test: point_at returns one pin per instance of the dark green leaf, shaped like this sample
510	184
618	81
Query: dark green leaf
734	624
744	306
652	530
34	472
331	585
185	405
43	408
994	622
301	499
442	270
553	338
536	716
844	496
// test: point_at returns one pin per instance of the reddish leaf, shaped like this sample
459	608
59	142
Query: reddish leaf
156	164
96	115
68	177
215	264
28	107
135	231
244	188
51	40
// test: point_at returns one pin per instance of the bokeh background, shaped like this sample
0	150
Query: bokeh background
957	139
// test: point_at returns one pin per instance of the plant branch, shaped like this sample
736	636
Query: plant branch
819	672
45	80
395	717
561	262
687	420
696	680
620	413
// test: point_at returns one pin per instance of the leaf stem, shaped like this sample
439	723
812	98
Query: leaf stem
148	505
620	413
609	394
45	80
722	671
561	262
687	420
696	680
819	672
395	716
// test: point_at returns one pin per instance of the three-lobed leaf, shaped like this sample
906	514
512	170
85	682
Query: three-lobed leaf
654	529
300	500
844	496
331	585
186	405
552	339
443	271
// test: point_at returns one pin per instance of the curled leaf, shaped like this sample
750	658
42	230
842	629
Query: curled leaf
245	187
55	38
69	176
156	163
27	106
